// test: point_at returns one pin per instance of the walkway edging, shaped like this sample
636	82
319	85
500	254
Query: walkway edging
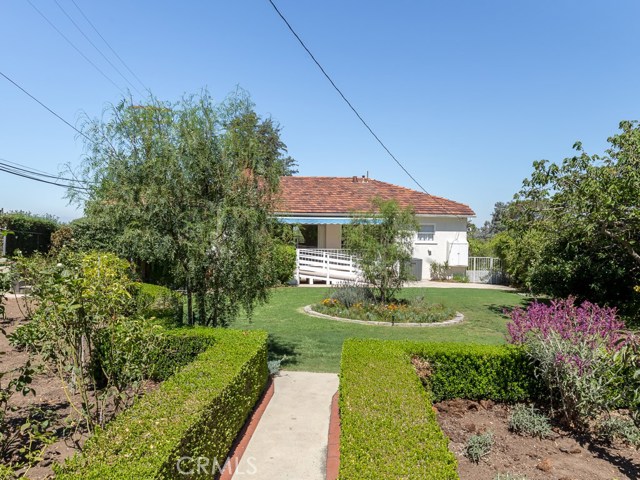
244	436
457	319
333	447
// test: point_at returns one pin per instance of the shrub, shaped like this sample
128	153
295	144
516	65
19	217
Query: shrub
283	263
478	446
160	302
585	323
196	413
500	373
572	349
388	429
84	330
29	233
179	347
351	293
526	420
619	428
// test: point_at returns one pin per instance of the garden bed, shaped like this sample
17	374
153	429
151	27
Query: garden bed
562	456
309	310
415	311
49	397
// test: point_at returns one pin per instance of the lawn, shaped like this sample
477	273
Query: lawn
314	344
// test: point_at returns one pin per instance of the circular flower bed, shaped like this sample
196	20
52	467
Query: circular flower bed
404	311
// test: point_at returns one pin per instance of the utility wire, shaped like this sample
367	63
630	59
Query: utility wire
345	98
41	180
33	172
45	107
96	47
109	45
76	48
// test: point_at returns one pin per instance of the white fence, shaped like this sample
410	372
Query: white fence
485	270
327	265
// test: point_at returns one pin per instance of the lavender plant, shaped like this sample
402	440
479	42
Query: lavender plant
572	348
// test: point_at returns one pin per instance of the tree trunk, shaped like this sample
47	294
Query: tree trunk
202	308
189	305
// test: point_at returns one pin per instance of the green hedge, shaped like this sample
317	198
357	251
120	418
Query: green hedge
476	372
196	413
180	347
30	233
389	429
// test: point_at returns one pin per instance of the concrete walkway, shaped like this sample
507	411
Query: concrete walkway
290	442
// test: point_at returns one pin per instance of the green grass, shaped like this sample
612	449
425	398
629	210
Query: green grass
314	344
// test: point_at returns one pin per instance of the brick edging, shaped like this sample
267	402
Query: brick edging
244	436
333	448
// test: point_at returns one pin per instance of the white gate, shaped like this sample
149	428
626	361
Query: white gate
485	270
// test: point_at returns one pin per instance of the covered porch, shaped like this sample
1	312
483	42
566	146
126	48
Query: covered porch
320	256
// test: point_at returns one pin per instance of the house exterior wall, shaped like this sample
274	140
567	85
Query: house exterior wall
449	244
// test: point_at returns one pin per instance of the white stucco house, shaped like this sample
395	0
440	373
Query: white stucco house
321	206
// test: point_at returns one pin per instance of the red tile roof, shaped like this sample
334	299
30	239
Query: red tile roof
345	195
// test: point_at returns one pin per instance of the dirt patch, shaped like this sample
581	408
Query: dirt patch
563	457
50	397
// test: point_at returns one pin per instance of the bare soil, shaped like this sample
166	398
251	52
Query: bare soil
50	396
564	457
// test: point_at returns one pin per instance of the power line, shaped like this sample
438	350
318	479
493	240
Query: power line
76	48
109	45
45	107
31	171
96	47
345	98
41	180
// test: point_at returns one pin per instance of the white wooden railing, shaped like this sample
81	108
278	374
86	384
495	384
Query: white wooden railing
328	265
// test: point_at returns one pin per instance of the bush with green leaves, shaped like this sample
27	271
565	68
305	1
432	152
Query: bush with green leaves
350	293
478	446
283	263
84	326
29	233
385	409
162	303
459	370
388	429
620	428
573	349
526	420
197	412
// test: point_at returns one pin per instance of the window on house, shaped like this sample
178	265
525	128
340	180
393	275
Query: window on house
426	233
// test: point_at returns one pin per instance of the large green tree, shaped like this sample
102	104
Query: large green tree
384	246
581	221
189	185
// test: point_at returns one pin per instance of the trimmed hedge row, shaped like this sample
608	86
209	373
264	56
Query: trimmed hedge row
388	428
180	347
195	413
476	372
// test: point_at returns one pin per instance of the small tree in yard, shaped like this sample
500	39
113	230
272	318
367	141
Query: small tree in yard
383	249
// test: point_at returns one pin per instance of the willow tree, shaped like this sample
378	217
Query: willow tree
189	185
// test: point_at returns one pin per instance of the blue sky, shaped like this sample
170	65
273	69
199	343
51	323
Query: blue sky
466	94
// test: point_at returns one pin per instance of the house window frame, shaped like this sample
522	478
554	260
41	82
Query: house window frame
426	239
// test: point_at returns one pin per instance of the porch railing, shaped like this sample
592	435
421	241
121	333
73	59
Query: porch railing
323	264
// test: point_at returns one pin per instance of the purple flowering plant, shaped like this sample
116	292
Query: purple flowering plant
573	349
586	322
